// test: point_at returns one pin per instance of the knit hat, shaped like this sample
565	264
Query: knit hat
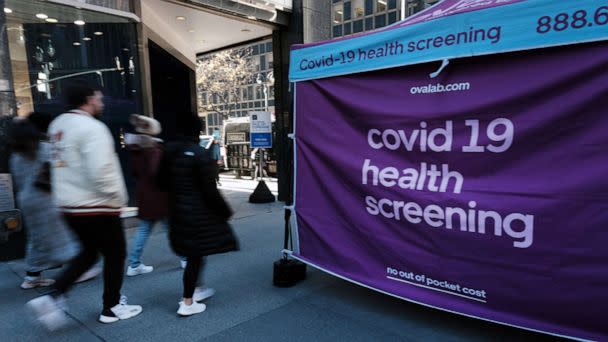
145	125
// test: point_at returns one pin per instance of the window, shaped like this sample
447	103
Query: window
392	17
429	3
40	52
392	4
380	6
347	29
369	7
338	14
347	10
380	20
358	9
411	8
269	47
337	30
369	24
263	62
358	26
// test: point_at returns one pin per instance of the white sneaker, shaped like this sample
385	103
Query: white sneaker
47	312
33	282
120	311
189	310
141	269
183	264
201	294
88	275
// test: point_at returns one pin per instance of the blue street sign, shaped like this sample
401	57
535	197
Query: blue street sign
261	140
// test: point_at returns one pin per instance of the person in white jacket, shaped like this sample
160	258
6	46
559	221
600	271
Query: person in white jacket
89	188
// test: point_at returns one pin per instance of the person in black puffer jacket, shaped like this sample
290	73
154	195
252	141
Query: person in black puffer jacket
198	214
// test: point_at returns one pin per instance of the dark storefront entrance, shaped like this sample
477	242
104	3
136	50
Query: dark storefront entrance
173	90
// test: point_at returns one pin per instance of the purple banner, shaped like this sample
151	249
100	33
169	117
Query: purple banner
483	191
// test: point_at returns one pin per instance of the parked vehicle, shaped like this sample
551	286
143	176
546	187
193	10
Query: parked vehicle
206	141
236	140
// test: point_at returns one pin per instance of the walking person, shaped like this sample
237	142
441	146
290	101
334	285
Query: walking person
88	185
146	152
198	214
49	241
215	157
255	157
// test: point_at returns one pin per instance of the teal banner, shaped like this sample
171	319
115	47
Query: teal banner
505	27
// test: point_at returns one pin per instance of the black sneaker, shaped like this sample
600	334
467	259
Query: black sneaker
119	311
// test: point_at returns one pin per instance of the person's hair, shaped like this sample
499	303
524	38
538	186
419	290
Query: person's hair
24	137
77	93
41	121
189	126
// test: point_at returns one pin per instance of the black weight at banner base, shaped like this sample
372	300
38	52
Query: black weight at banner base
288	272
261	194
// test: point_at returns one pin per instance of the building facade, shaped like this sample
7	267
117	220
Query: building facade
249	97
49	45
134	50
126	45
354	16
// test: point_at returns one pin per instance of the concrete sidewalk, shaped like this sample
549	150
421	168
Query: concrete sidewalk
246	306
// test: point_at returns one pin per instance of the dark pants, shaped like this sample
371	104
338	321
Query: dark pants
97	234
217	171
191	274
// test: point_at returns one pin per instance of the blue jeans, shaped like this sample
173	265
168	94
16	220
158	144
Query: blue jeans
141	237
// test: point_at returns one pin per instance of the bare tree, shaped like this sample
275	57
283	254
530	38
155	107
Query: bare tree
221	75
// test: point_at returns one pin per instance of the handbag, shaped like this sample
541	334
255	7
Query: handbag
43	179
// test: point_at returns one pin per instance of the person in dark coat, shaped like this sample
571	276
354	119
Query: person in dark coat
145	154
198	214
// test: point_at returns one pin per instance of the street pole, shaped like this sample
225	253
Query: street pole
266	109
262	194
